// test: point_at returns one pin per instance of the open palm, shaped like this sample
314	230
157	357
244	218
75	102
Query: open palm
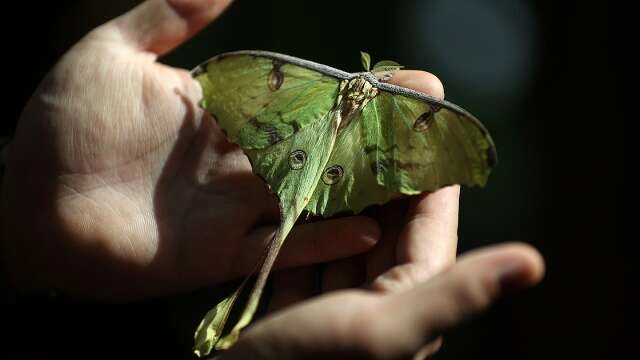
116	171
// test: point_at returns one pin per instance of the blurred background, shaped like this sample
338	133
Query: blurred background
537	73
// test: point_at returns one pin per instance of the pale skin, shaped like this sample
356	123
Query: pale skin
118	187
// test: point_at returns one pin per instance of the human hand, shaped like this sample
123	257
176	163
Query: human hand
117	185
391	325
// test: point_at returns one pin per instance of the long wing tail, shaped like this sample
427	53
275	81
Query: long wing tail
209	332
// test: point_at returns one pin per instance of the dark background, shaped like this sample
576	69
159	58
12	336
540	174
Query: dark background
537	73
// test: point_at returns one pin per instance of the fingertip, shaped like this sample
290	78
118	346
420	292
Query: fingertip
198	13
159	26
372	226
515	265
188	8
468	287
422	81
524	268
362	230
329	240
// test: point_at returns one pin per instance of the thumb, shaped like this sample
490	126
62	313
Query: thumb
465	289
474	283
158	26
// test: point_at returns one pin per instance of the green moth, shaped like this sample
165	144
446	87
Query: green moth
328	141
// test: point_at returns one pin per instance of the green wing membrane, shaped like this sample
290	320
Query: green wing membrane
358	187
260	101
403	145
424	145
328	142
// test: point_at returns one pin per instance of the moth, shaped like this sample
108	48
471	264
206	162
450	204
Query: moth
327	141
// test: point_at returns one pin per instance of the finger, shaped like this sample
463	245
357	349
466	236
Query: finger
318	242
319	328
428	242
420	247
466	289
158	26
419	80
431	234
293	285
348	324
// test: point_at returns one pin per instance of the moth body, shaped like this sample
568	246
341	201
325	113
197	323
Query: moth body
353	97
